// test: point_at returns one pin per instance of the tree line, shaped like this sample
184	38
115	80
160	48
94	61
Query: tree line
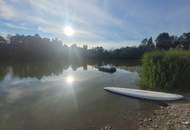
165	41
36	48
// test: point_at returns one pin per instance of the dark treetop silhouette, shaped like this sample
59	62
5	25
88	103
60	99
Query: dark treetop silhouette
36	48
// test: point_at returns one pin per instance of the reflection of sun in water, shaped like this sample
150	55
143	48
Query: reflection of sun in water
70	79
68	31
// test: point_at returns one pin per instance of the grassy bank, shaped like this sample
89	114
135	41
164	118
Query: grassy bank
166	69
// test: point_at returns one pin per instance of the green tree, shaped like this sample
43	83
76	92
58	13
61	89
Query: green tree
2	40
184	40
150	43
163	41
147	44
143	43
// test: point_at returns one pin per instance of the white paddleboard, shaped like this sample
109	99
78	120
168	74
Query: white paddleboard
144	94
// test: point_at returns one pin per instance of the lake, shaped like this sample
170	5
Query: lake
56	96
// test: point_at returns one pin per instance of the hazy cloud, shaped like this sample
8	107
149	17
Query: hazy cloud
110	21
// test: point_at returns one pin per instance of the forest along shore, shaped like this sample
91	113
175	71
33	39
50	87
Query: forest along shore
173	117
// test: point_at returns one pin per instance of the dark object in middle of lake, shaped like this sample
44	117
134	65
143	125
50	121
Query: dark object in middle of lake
108	69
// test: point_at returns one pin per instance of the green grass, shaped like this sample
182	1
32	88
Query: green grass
166	69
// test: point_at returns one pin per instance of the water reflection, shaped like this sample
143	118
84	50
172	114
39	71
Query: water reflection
39	70
52	96
29	74
70	79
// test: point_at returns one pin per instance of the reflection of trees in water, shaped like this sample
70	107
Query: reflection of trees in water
115	62
38	70
131	68
3	71
85	67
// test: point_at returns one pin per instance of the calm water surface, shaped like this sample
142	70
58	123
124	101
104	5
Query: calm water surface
67	97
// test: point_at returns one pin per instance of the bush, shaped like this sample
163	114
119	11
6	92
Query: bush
166	69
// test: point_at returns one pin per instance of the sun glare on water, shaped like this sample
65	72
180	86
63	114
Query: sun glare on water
68	31
70	79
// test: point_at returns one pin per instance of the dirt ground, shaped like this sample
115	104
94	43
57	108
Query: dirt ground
172	117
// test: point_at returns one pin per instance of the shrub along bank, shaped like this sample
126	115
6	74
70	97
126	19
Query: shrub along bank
166	69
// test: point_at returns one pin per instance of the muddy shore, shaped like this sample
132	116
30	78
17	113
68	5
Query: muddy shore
172	117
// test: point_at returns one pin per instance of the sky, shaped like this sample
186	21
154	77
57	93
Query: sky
109	23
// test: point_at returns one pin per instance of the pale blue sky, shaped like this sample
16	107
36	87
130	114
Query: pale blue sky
111	23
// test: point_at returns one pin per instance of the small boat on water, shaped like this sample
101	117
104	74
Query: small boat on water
144	94
109	69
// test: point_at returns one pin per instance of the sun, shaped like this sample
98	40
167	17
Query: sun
68	31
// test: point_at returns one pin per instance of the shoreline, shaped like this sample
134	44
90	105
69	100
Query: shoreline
173	117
